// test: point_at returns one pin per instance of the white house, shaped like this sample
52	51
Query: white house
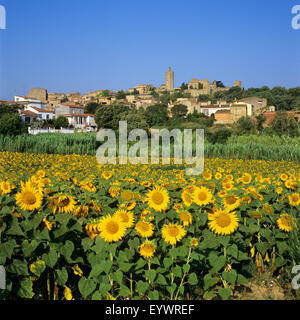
29	102
31	113
81	120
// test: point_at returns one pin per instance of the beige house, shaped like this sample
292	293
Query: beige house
259	104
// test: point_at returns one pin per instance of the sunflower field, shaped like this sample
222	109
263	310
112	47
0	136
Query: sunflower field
73	229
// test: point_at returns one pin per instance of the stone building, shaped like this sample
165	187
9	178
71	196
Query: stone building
170	79
38	94
223	116
239	110
191	103
238	83
213	108
259	104
142	88
197	87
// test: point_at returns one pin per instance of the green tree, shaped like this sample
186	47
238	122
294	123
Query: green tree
104	93
219	136
220	84
91	107
164	97
135	120
61	122
184	86
11	124
156	115
246	125
108	116
121	95
9	108
135	92
260	120
285	124
179	111
203	97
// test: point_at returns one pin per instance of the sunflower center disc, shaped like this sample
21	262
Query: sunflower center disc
173	231
112	227
202	196
157	198
223	220
29	198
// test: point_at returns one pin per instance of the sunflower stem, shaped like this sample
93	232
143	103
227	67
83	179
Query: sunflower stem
131	285
48	286
184	274
149	268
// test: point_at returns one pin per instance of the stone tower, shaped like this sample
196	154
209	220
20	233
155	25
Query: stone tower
38	93
170	79
238	84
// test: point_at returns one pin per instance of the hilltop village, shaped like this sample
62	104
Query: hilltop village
212	99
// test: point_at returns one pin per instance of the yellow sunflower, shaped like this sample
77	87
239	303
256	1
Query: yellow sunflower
6	187
283	177
29	199
114	191
130	205
218	176
125	217
158	199
231	202
106	175
291	184
81	211
87	185
172	233
227	185
187	198
194	242
268	208
186	218
223	222
111	229
286	222
246	178
207	175
294	199
127	195
147	249
145	229
202	196
62	203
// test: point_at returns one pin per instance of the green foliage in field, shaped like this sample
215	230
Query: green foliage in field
236	147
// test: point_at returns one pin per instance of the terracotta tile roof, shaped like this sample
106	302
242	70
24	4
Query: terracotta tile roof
27	112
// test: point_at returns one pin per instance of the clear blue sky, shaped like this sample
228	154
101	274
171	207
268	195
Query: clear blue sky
72	45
